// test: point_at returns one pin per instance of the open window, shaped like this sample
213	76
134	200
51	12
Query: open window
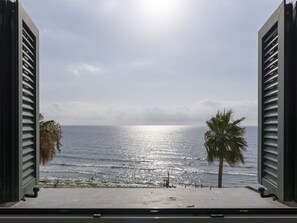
19	115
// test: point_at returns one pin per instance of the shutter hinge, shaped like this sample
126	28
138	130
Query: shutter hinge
263	195
35	193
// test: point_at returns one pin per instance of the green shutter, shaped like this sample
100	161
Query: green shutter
276	110
19	168
270	106
28	103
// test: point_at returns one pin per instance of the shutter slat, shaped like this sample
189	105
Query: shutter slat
27	43
28	57
270	178
28	36
270	171
27	114
271	85
271	100
271	153
270	93
28	157
27	166
28	64
271	78
27	70
28	100
271	43
270	129
270	122
28	93
28	143
271	72
28	135
270	35
27	172
28	150
270	136
270	144
28	121
271	174
271	57
270	164
271	65
27	79
270	114
28	107
28	179
270	107
27	50
271	51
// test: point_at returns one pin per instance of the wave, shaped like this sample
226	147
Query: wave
49	181
101	159
44	169
72	171
229	173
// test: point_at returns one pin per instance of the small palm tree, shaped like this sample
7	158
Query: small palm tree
50	136
224	141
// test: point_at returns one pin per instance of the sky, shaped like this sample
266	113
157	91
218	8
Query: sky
147	62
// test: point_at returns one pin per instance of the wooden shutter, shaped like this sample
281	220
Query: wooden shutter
276	110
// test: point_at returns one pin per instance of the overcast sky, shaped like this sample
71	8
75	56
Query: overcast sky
148	61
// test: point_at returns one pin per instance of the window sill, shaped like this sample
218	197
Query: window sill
148	198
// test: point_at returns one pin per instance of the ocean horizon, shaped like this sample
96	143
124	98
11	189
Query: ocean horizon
142	156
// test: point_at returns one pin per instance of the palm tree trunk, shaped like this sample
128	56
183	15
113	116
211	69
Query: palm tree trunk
220	172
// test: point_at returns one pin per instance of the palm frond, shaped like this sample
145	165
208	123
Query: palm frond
50	137
225	138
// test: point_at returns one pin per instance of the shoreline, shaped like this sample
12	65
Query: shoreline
89	183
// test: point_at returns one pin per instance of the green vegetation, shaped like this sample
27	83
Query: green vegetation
50	136
224	141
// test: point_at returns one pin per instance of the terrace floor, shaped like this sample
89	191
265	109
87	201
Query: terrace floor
148	198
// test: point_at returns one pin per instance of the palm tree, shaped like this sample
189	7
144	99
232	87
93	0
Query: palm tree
50	136
224	141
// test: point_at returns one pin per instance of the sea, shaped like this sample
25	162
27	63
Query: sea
144	155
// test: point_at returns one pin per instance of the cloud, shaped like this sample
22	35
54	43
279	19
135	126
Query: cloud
58	34
85	69
80	113
140	63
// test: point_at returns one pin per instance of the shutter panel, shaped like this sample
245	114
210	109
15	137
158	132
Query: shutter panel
28	103
19	110
276	96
